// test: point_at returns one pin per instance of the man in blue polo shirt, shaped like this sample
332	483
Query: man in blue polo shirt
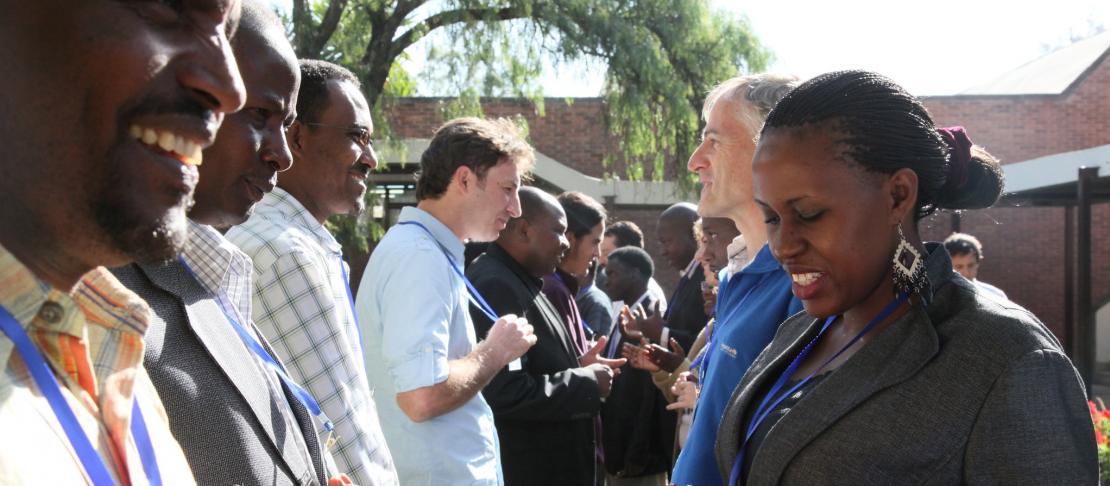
754	301
421	352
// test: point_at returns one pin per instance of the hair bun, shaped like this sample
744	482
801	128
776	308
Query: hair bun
974	184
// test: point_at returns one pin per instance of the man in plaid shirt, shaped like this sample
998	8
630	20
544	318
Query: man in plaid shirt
301	294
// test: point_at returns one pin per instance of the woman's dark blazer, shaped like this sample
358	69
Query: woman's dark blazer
968	390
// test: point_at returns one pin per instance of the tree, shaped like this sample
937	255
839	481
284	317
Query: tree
661	56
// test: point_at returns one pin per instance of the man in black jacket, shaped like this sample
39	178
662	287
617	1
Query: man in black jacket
544	411
638	431
685	315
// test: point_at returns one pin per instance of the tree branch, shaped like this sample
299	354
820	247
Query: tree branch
328	25
448	17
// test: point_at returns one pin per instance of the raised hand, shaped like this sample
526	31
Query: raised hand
637	356
662	358
686	390
651	326
594	356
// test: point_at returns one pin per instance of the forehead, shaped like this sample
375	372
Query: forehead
724	119
718	225
346	105
791	158
505	172
269	69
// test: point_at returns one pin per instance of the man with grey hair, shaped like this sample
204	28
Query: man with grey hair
753	302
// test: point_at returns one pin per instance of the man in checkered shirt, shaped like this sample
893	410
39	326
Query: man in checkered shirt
301	295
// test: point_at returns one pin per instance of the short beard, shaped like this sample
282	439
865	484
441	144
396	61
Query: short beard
143	241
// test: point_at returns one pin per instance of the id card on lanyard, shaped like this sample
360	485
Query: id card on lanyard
44	379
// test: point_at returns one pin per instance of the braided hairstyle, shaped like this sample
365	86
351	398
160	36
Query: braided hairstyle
886	129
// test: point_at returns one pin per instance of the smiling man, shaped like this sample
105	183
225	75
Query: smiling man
301	299
138	90
421	349
237	422
545	411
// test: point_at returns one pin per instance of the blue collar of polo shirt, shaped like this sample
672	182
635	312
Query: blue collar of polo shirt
764	262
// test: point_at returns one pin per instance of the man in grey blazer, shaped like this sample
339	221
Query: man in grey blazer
235	418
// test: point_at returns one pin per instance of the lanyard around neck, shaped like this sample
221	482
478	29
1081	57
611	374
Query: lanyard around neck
44	378
256	347
770	401
472	293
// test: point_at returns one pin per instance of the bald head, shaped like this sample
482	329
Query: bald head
676	234
536	240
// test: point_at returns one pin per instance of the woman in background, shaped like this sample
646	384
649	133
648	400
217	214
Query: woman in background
907	375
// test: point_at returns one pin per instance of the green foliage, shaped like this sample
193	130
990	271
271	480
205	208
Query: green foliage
661	58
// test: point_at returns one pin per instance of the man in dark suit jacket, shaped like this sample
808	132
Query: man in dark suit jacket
236	420
544	411
638	432
685	315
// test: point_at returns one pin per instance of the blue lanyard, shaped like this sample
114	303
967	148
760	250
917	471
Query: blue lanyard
249	340
701	362
770	402
48	385
475	298
350	299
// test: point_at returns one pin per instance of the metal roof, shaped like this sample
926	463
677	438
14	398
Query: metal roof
1050	74
1051	180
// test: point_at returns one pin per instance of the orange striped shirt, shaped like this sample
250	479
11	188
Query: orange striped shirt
92	337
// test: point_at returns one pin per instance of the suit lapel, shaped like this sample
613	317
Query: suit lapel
559	330
891	358
211	327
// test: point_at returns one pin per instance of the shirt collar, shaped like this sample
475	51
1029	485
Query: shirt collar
764	262
440	232
496	251
97	298
688	272
281	207
213	259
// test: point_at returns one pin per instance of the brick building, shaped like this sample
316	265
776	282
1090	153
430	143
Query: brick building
1050	107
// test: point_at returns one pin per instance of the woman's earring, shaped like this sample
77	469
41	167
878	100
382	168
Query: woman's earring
909	267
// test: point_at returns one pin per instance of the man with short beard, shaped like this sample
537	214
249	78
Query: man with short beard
545	411
107	106
301	295
230	410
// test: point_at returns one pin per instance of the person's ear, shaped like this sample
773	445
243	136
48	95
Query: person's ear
902	189
571	239
294	136
463	178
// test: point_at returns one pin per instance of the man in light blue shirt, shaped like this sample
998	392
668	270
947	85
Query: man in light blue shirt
421	352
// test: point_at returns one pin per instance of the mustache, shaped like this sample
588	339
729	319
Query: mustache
184	105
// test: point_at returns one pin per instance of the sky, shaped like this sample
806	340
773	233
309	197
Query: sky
931	48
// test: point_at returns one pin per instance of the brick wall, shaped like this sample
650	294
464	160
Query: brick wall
1024	247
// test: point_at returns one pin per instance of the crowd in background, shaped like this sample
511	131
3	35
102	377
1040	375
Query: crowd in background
175	311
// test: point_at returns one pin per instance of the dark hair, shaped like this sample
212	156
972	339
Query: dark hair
635	258
962	244
583	212
886	129
626	233
469	142
313	96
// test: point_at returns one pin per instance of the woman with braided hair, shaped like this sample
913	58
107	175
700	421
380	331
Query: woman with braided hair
899	371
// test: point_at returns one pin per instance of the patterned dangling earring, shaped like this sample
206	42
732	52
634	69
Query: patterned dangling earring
909	267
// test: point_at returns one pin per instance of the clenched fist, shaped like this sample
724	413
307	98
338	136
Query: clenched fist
510	337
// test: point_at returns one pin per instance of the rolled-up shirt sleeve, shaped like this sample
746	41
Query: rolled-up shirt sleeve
416	305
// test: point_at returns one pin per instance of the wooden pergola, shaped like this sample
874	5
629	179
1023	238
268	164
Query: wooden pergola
1075	181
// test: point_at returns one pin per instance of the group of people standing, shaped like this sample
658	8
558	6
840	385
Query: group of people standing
174	310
